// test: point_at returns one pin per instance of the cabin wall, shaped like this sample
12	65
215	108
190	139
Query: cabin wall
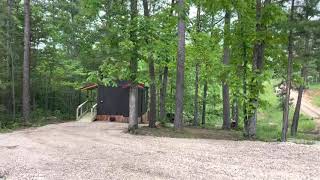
114	101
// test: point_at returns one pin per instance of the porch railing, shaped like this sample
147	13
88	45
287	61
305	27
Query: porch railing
82	109
94	109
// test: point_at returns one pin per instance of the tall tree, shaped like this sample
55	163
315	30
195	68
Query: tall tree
309	10
204	103
164	79
296	115
163	92
153	90
26	63
11	57
178	118
250	119
244	63
197	69
226	59
286	109
133	92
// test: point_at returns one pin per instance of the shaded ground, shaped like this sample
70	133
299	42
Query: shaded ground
103	151
192	132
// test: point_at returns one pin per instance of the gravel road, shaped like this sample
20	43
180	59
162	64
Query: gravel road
103	151
308	108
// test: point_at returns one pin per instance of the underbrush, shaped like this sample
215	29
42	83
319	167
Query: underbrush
37	118
269	125
191	133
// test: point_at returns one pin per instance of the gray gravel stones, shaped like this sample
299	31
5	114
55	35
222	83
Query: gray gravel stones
103	151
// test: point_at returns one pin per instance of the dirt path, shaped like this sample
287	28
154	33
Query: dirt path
308	108
103	151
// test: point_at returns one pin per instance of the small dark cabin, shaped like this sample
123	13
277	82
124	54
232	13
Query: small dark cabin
113	102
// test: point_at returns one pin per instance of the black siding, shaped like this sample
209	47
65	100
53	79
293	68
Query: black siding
115	101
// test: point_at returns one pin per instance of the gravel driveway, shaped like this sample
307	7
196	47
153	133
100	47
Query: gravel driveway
308	108
103	151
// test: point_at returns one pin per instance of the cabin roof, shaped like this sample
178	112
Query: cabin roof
123	84
89	86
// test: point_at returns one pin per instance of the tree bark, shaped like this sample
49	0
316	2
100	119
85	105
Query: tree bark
153	90
26	64
204	103
244	66
286	110
235	113
11	57
164	81
133	110
133	93
296	115
244	80
250	120
8	48
159	92
153	95
178	119
163	93
226	58
196	93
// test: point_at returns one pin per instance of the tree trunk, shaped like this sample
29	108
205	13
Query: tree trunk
250	120
296	116
153	95
286	110
295	120
133	110
244	80
153	90
204	103
196	94
46	102
244	66
235	113
164	81
8	58
11	57
178	119
159	93
226	58
133	94
26	64
163	93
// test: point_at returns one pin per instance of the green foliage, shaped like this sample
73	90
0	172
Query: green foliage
314	86
269	124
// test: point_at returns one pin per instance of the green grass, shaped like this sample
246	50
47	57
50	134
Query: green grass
269	125
38	118
316	100
314	86
306	124
191	133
